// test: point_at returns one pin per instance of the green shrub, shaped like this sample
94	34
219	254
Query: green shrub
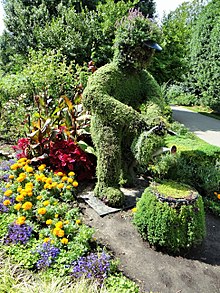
173	228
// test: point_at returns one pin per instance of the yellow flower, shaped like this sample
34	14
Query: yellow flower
68	187
8	185
20	220
42	167
215	193
47	239
30	193
134	210
218	196
19	188
20	179
70	180
23	192
75	183
60	185
27	205
8	192
21	160
49	222
6	202
29	185
64	178
29	169
17	206
56	216
54	184
60	233
64	240
60	174
42	211
19	197
11	176
66	222
56	231
49	180
14	166
78	222
46	186
46	203
71	174
59	224
39	197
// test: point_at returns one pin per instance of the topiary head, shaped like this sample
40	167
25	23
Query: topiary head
135	41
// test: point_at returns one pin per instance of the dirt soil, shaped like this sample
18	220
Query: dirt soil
154	271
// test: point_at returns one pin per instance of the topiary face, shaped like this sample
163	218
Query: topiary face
135	38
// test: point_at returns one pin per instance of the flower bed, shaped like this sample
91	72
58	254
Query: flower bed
171	216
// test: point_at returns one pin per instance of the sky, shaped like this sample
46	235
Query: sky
161	6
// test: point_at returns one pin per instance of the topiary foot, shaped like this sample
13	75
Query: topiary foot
112	196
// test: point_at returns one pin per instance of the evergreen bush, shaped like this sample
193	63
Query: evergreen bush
171	221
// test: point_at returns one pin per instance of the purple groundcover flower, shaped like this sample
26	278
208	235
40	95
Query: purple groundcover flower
48	253
3	208
5	165
18	234
92	266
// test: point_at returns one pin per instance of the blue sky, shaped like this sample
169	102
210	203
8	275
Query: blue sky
162	6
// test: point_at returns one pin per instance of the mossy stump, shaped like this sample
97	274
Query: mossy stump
171	216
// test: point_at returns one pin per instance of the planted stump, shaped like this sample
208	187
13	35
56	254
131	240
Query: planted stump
171	215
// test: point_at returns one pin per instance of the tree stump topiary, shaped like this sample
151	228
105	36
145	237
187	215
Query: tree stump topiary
171	215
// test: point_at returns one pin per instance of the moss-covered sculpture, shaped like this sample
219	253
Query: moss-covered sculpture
171	215
124	100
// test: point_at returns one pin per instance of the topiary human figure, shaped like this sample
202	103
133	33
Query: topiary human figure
116	94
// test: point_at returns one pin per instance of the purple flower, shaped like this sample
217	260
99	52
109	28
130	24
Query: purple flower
93	265
18	234
47	254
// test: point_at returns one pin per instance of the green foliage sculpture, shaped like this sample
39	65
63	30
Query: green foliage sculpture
171	215
116	94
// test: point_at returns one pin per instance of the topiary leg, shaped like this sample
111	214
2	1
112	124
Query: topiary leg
107	141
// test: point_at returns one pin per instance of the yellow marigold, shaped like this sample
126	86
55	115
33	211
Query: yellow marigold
11	176
21	160
30	193
17	206
8	185
64	178
47	239
29	185
23	192
54	184
14	166
19	197
20	179
38	177
59	224
68	187
28	161
6	202
56	216
42	211
56	231
49	180
75	183
70	180
134	210
27	205
20	220
39	197
25	167
49	222
29	169
64	240
8	192
78	221
46	203
71	174
42	167
60	185
60	174
46	186
60	233
19	188
218	196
